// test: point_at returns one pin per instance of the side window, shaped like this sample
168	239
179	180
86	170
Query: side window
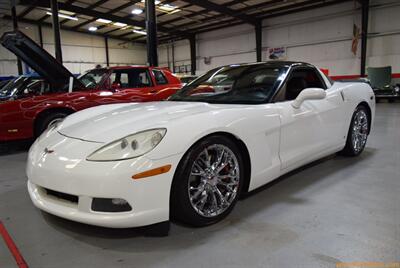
131	78
300	79
124	80
144	80
160	78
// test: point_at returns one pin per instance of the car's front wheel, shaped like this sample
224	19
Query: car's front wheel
358	132
207	182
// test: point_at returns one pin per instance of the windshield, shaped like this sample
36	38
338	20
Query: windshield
242	84
13	86
92	78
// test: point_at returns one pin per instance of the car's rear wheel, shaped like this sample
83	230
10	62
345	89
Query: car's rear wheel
358	132
47	120
207	182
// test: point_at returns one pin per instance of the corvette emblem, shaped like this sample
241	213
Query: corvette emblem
48	151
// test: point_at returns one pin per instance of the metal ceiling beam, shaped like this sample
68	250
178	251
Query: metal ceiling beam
94	5
201	13
295	8
97	14
35	22
26	11
46	16
308	5
242	10
222	9
119	8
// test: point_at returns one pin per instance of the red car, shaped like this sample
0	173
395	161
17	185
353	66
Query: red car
29	110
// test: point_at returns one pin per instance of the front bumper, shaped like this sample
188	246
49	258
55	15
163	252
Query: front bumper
66	171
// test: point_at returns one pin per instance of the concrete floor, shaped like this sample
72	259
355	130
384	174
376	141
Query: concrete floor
337	210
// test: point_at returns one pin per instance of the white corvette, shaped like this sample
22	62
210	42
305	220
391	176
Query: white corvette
189	158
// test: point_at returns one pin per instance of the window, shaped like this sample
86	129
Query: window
299	79
131	78
242	84
160	78
92	78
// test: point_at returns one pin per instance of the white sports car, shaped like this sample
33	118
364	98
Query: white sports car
190	158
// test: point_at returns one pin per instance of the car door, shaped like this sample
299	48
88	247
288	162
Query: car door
314	129
163	88
125	85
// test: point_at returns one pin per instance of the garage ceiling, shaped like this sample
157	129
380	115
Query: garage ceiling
177	19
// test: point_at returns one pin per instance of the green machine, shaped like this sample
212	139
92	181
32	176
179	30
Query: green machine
381	82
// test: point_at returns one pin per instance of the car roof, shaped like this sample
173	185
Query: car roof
272	63
134	67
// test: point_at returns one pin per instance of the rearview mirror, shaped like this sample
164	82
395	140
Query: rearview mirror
308	94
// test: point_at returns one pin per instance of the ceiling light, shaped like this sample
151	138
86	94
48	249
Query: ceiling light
167	7
155	2
120	24
92	28
63	16
137	11
137	28
139	32
103	20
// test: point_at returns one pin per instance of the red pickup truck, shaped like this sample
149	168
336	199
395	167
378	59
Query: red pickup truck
27	111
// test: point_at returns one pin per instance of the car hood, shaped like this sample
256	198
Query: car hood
37	58
107	123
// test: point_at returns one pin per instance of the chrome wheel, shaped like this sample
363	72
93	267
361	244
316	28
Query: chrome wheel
214	180
360	131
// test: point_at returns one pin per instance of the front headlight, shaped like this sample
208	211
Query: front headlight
131	146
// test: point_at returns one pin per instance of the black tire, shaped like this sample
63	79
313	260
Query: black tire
44	121
180	206
350	148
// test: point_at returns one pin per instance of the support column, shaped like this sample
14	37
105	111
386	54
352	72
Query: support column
15	27
40	35
258	30
56	30
107	55
192	41
364	35
173	56
151	28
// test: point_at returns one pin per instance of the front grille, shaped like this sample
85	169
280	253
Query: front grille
63	196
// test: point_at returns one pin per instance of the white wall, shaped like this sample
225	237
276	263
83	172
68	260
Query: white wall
181	54
322	37
80	51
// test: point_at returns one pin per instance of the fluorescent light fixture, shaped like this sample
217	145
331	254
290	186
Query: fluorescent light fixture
139	32
155	2
120	24
92	28
63	16
137	28
167	7
103	20
137	11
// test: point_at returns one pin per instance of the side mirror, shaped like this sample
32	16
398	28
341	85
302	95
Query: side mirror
308	94
115	86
